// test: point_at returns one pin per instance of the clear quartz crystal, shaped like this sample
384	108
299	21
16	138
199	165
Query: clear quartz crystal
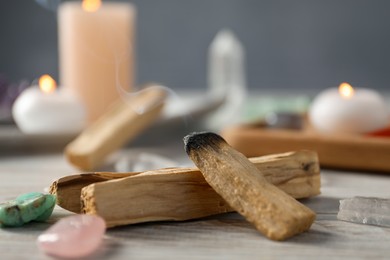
364	210
226	76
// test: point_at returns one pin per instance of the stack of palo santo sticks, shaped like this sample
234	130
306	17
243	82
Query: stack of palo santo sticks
262	189
183	193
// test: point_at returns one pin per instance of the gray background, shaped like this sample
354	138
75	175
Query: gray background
301	44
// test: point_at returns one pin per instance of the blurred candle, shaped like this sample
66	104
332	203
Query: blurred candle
349	110
46	110
96	51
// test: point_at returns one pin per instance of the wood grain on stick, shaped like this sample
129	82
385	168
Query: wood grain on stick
121	123
297	173
168	194
68	189
273	212
183	193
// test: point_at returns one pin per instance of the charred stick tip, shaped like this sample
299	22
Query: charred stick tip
199	140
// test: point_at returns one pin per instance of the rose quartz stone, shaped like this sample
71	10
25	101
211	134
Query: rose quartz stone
73	237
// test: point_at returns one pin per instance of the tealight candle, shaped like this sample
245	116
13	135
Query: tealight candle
45	110
348	110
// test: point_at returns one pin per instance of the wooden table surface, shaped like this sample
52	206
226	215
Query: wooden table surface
226	236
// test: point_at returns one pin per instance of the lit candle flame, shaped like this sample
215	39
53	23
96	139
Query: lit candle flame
47	84
91	5
346	90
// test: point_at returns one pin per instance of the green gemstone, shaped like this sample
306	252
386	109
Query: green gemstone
25	208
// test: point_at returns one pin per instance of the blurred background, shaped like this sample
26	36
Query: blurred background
301	45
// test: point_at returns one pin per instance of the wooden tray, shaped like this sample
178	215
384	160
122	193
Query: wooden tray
352	152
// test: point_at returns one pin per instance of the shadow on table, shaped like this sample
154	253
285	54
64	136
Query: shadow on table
230	225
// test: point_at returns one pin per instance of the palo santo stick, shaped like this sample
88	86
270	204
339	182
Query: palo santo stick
297	173
168	194
182	193
273	212
120	124
68	189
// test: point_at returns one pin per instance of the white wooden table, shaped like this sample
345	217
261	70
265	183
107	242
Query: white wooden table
226	236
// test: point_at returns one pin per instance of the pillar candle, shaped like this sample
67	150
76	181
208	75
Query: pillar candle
96	52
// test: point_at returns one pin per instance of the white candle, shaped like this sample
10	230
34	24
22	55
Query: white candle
44	110
349	110
96	51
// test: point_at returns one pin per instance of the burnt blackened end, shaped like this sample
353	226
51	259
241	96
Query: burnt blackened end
199	140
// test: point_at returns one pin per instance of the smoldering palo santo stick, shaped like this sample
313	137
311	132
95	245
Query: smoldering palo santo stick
272	211
296	173
118	125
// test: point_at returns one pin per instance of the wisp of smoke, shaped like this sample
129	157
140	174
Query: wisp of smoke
52	5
